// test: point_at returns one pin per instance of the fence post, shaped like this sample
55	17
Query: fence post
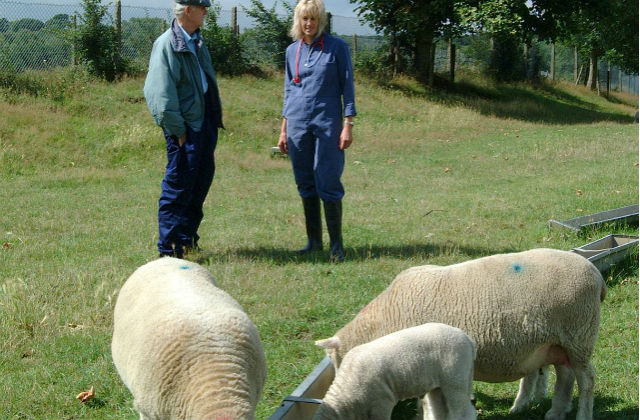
355	46
74	26
608	77
328	27
619	86
452	60
118	23
575	65
553	61
234	20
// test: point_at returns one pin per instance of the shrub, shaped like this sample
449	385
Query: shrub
97	44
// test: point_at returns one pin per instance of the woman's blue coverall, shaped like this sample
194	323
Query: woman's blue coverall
313	107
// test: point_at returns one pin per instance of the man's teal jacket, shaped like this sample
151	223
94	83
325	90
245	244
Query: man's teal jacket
173	88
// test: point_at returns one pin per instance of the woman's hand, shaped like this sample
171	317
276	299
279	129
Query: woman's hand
346	137
282	141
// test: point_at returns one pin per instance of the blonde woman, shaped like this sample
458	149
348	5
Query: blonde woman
318	95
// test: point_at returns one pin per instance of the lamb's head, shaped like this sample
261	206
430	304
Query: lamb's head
332	346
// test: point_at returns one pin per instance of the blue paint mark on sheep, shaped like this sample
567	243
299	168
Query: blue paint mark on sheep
184	267
517	268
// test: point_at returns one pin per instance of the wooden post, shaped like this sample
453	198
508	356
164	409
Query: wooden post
74	26
608	77
355	47
619	85
526	60
328	27
118	23
553	61
452	60
432	63
234	20
579	74
575	65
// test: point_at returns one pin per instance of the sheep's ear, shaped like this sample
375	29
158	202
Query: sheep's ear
329	343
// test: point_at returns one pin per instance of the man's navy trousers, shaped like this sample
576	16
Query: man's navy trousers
185	185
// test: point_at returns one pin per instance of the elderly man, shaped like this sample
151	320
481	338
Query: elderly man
182	95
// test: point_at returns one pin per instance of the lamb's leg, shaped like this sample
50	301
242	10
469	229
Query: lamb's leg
523	399
459	406
434	407
585	378
561	402
541	384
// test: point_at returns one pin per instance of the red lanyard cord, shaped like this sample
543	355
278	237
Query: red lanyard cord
320	42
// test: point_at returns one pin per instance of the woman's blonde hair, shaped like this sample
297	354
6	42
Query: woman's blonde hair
313	8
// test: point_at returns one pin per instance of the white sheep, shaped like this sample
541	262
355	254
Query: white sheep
432	359
185	348
523	310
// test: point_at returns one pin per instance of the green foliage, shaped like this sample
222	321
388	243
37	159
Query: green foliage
138	35
270	35
225	46
57	85
506	62
97	44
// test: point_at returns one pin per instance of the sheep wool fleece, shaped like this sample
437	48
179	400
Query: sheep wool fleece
523	310
432	359
185	348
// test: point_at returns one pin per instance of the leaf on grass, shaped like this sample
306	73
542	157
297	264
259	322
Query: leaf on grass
7	245
578	192
85	396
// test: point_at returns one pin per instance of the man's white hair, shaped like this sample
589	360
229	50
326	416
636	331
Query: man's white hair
178	9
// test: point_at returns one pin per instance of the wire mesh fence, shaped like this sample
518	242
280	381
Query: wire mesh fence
39	36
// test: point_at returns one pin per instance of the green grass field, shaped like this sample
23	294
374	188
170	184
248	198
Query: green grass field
433	177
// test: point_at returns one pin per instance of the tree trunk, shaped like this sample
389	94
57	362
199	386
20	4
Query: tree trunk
423	59
592	83
394	53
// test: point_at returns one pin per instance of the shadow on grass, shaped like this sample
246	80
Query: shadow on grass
498	408
282	256
543	102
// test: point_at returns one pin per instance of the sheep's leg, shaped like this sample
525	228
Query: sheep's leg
459	406
585	378
434	407
541	384
420	408
561	402
523	399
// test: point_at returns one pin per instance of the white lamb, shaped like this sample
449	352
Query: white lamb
185	348
524	311
432	359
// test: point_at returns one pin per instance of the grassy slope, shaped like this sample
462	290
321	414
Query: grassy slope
81	179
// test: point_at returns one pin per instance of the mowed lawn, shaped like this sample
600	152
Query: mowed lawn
433	177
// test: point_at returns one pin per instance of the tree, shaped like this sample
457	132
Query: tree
225	47
415	24
97	44
272	30
59	21
29	24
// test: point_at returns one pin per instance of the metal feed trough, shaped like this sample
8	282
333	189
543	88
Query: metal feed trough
306	398
624	215
607	251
